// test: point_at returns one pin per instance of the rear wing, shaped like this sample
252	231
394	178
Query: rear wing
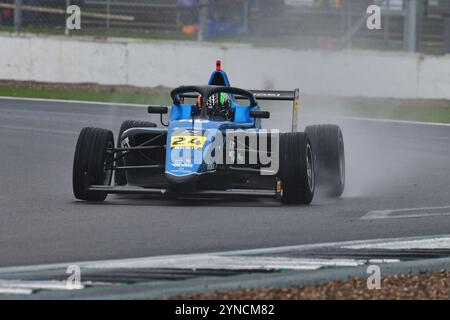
271	95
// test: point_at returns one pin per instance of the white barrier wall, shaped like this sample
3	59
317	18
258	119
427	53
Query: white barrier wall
173	63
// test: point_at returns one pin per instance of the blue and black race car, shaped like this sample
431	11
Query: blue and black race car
212	146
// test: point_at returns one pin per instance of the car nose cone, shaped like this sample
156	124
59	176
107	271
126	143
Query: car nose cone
182	183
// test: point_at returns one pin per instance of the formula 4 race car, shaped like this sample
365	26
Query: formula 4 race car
212	147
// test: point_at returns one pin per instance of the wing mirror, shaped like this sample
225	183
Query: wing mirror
260	114
158	109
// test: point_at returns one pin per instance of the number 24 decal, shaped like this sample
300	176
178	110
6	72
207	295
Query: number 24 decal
187	141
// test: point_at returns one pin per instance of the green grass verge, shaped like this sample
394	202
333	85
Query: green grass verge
139	96
398	109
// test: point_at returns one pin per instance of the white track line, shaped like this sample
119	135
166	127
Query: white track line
230	263
134	105
411	213
240	257
437	124
22	291
437	243
37	285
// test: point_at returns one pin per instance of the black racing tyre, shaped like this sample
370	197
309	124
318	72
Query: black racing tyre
296	170
328	144
91	155
119	176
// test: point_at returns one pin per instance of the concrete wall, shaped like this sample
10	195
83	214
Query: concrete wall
153	63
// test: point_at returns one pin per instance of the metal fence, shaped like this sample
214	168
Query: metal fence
305	23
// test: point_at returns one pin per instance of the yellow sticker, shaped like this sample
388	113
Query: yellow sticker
187	142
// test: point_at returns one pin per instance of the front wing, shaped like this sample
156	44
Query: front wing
234	193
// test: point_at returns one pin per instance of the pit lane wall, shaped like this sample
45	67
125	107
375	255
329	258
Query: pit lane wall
172	63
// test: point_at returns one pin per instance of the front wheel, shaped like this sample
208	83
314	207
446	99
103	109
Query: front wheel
296	168
120	177
91	162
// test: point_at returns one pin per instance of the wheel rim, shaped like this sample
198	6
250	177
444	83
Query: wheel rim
310	168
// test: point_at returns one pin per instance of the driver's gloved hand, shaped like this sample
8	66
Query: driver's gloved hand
220	106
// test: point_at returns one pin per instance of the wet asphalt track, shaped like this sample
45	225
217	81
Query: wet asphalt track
389	166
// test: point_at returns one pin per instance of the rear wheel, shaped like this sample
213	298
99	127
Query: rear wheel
328	144
296	168
120	177
89	166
